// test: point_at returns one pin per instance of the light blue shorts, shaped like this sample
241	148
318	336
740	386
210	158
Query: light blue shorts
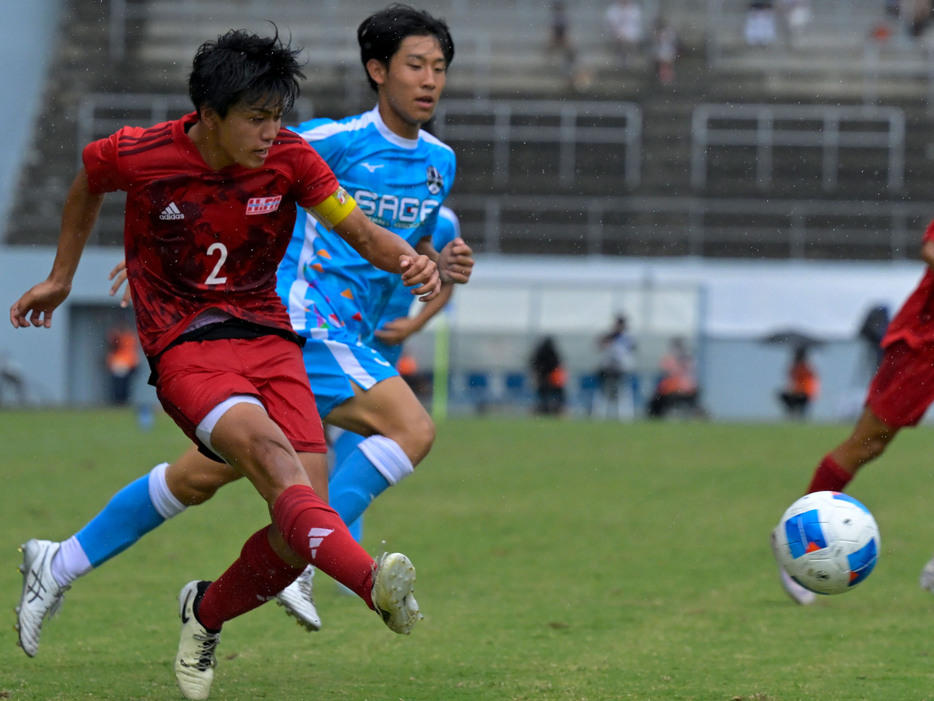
335	366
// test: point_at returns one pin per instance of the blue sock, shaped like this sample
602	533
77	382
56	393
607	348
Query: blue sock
356	529
342	447
374	464
128	516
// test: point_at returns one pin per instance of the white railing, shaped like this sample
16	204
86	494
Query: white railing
568	125
694	226
828	128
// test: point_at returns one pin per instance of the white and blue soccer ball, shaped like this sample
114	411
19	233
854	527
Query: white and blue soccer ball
827	542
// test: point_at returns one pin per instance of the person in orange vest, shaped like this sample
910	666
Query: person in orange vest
122	362
677	386
803	385
550	378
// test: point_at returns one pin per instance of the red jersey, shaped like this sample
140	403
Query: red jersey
198	238
914	322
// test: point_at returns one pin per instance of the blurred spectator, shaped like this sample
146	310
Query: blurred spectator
664	51
550	378
560	43
802	386
760	23
920	16
795	16
624	19
122	362
677	387
417	380
872	331
616	365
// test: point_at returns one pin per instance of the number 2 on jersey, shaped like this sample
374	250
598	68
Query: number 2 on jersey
214	278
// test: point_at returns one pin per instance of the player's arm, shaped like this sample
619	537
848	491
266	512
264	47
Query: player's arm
927	252
78	217
396	331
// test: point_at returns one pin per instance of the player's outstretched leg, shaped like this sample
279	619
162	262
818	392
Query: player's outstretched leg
195	661
927	576
298	601
42	595
798	594
393	597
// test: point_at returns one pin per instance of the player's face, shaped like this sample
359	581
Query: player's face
246	134
411	86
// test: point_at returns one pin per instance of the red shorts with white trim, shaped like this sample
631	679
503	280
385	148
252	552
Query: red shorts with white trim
903	387
196	376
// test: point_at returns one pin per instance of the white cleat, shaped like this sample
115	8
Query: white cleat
195	661
42	596
927	576
298	602
799	594
392	592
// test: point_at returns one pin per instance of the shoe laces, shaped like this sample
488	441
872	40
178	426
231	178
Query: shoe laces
207	644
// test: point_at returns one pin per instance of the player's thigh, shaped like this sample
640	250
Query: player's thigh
388	408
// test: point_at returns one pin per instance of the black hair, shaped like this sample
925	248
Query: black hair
380	34
240	66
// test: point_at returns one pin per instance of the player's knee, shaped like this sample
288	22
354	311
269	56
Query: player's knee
415	437
423	437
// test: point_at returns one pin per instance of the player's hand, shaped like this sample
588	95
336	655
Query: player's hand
118	275
396	331
36	306
421	274
456	262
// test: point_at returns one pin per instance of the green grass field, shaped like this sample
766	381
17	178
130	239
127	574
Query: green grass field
556	560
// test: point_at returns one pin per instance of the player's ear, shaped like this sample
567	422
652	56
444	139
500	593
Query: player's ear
209	117
377	71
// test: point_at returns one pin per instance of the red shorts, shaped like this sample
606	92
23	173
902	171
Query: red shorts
196	376
903	387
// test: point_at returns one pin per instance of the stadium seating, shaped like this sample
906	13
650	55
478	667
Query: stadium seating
571	185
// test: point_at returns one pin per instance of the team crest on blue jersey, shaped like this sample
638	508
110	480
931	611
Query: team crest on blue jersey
434	180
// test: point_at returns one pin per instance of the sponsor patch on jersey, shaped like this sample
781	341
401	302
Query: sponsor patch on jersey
263	205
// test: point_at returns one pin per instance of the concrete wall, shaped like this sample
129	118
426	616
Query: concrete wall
28	33
724	308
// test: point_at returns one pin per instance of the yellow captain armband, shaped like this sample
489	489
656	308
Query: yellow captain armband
334	209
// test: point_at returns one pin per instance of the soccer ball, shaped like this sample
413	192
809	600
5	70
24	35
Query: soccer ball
827	542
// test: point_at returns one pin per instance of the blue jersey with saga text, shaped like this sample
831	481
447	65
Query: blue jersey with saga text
399	184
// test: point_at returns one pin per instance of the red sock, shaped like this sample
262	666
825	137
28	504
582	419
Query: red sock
315	532
829	476
257	576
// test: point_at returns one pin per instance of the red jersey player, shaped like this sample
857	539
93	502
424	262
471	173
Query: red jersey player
900	393
210	208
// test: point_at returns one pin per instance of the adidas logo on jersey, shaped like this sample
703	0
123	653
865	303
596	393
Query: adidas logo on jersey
171	213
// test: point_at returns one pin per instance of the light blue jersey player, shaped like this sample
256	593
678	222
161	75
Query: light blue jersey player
336	299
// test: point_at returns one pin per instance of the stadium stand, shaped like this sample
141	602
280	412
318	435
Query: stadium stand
616	164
